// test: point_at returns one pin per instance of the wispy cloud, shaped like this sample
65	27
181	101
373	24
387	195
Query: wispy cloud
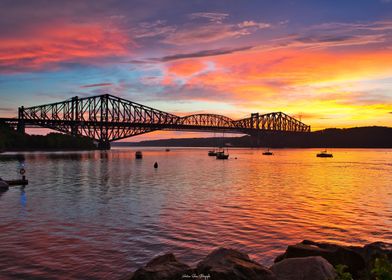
201	34
325	41
97	85
152	29
198	54
379	25
251	23
212	17
196	32
6	109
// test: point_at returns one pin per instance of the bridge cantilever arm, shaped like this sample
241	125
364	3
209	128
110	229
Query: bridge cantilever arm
108	118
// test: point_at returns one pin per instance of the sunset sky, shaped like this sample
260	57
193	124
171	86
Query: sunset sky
326	62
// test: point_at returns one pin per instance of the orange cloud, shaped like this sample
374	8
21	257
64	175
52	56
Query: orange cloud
304	67
323	83
61	42
185	68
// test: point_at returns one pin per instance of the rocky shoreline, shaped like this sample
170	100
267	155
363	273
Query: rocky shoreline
307	260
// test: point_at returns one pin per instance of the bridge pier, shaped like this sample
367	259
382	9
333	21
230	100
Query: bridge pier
21	127
104	145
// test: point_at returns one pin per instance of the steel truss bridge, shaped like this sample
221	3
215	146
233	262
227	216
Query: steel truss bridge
107	118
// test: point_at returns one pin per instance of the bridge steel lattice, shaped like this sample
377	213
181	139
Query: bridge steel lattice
107	118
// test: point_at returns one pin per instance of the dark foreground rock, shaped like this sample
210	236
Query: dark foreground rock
376	250
302	261
228	264
373	251
334	254
165	267
309	268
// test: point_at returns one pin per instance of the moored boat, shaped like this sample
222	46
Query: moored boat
138	155
222	155
212	153
268	153
324	154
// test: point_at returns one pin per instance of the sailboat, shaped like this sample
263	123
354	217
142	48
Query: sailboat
212	153
220	154
268	152
324	154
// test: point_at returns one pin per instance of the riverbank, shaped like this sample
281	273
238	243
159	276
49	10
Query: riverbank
13	141
357	137
307	260
12	150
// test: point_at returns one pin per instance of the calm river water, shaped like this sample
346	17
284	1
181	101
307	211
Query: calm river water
100	215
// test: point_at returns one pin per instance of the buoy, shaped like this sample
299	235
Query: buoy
156	165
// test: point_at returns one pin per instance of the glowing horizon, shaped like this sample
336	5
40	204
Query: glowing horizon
326	63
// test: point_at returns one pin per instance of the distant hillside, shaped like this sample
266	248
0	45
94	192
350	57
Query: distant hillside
358	137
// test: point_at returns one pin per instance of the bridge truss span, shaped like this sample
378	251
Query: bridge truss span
207	120
277	121
107	118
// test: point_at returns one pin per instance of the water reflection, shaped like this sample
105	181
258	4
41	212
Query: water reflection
56	156
12	157
23	198
102	214
2	192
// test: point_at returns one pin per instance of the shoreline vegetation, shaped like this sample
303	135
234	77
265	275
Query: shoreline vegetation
358	137
11	140
307	260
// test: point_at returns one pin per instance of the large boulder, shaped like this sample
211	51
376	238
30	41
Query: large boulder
228	264
308	268
165	267
334	254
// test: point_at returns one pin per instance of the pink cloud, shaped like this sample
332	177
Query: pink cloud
48	46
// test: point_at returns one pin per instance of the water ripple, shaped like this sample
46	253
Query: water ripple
100	215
